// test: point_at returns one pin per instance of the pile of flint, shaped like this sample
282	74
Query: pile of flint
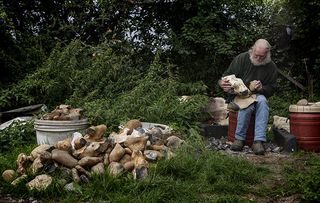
132	150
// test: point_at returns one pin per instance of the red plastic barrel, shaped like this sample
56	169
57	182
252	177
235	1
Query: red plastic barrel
306	128
233	125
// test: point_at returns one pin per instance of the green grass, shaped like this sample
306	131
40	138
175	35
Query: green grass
304	177
193	175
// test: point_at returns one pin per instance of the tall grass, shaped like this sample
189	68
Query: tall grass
194	174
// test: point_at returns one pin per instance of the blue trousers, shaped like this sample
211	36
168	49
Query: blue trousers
261	110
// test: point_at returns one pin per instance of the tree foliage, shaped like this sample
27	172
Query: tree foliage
293	26
306	42
89	51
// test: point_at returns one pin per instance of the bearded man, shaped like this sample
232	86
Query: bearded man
253	66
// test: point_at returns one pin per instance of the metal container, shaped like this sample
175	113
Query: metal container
52	131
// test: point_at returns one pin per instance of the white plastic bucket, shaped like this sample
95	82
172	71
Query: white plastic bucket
52	131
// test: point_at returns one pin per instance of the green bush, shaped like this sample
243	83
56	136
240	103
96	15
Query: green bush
17	134
51	83
113	83
113	91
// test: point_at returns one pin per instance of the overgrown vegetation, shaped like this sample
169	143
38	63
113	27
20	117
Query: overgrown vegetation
17	134
110	89
120	60
196	40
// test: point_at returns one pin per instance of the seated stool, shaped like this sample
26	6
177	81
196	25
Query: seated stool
233	125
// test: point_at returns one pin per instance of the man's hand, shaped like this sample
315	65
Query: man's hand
225	85
255	85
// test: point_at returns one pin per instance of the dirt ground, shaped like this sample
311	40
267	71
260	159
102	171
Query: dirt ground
276	163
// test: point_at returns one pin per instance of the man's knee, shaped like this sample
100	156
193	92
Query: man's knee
262	99
262	103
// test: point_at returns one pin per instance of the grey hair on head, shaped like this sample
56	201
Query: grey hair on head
262	43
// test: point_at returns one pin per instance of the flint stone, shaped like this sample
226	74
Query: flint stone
36	152
64	158
98	169
173	142
153	155
9	175
117	153
40	182
70	187
115	168
84	179
140	173
136	143
89	161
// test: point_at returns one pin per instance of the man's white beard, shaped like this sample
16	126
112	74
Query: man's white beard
257	63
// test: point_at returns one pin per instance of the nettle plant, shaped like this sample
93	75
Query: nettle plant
113	83
154	98
16	135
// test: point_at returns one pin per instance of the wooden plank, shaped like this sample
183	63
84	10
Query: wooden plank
296	83
24	111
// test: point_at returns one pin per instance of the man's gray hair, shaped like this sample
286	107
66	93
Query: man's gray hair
262	43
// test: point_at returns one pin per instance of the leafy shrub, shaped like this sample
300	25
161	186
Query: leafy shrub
154	98
17	134
279	103
50	84
113	83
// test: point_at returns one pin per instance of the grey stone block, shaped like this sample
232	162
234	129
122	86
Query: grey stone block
284	139
216	131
